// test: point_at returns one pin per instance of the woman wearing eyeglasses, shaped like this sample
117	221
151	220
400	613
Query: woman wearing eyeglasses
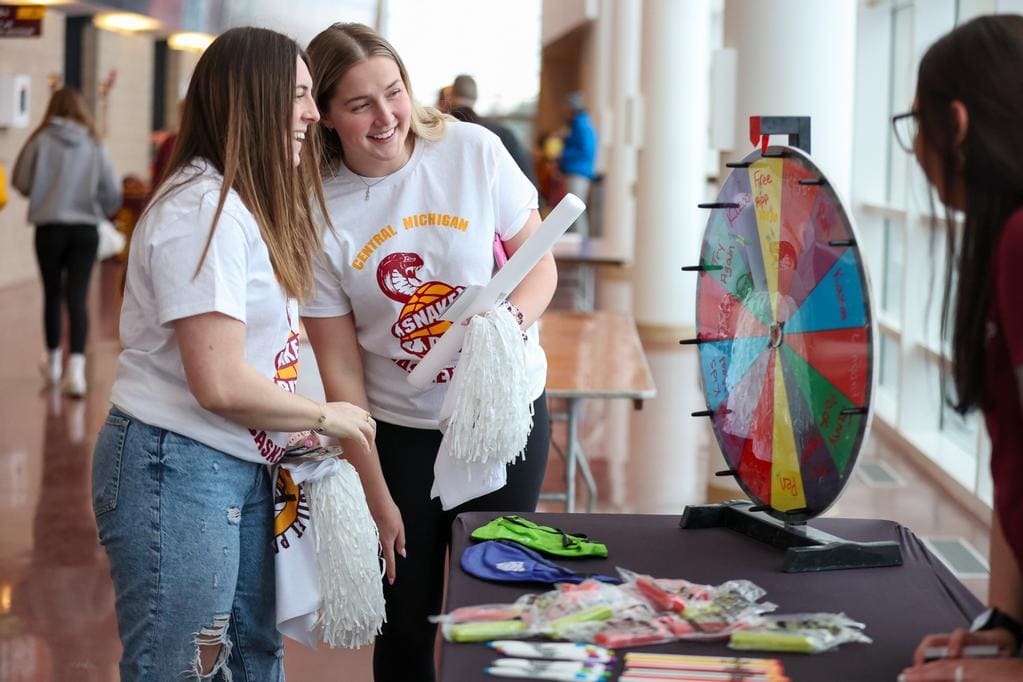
966	131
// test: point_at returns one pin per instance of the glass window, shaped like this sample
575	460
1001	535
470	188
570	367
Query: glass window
900	99
968	9
894	265
960	429
889	362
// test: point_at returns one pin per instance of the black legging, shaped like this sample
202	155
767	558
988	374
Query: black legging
69	249
404	652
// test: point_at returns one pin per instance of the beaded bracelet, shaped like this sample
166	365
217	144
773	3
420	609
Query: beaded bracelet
517	314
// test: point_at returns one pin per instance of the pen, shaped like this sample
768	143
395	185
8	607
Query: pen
565	651
554	676
933	653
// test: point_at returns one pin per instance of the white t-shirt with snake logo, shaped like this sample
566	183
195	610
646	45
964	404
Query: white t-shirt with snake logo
405	251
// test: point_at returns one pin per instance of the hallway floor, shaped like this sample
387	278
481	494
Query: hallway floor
56	601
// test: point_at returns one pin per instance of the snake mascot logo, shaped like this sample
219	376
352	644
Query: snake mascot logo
419	324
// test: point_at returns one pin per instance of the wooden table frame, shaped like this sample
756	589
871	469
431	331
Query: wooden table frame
574	343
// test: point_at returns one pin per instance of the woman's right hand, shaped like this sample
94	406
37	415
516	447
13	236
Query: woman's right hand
348	421
956	640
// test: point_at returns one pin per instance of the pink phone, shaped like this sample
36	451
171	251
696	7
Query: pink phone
500	257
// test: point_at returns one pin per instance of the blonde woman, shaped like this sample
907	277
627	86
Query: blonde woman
71	187
417	201
204	397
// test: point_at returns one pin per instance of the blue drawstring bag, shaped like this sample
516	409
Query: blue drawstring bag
513	563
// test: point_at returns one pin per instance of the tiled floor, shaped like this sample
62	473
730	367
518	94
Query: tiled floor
56	601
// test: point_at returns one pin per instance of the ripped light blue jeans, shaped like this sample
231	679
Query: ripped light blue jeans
188	530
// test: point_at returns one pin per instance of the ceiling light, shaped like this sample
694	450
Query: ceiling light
125	22
193	42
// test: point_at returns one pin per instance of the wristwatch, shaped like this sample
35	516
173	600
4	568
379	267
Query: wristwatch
992	619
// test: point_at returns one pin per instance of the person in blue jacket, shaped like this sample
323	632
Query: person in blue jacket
578	154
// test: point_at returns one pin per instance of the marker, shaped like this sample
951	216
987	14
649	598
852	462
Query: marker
536	665
630	676
649	666
709	662
933	653
554	676
564	651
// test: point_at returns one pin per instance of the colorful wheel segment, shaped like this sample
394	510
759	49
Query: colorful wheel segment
785	334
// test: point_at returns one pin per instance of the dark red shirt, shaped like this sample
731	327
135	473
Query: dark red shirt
1003	354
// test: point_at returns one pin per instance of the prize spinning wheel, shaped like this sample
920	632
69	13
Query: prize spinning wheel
785	334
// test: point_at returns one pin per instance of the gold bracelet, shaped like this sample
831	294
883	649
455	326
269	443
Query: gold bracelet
321	424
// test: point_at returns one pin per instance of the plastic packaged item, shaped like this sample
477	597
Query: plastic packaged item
560	627
578	612
626	634
693	611
808	633
483	631
660	599
484	612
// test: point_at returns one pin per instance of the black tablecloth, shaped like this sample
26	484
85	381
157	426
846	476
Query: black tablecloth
898	605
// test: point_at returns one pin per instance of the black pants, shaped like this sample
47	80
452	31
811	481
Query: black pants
404	652
66	254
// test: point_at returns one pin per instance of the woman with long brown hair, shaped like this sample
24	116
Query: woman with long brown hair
965	131
71	187
209	328
417	200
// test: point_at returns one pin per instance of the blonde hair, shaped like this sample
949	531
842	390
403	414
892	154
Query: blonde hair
337	49
236	116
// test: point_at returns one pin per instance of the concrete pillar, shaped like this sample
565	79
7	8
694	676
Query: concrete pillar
672	160
797	58
620	167
601	96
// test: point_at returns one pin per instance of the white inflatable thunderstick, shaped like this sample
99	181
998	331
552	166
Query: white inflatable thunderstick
476	300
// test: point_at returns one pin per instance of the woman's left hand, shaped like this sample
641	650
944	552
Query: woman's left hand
391	528
966	670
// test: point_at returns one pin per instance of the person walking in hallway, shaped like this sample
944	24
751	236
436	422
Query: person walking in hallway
71	187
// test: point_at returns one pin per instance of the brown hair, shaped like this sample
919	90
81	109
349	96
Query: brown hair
236	117
66	103
338	48
979	64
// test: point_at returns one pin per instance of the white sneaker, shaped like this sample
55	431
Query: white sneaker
74	381
76	422
52	366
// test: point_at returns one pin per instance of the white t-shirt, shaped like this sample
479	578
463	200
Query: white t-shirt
401	256
236	279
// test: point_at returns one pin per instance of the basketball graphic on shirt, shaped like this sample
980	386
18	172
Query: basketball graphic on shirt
291	510
286	364
419	324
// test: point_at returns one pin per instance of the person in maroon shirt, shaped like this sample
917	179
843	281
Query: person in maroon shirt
966	131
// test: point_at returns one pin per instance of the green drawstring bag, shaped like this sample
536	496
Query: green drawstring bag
550	541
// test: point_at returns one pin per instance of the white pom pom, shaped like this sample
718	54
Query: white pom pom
348	559
492	414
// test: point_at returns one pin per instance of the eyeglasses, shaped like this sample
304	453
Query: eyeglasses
905	127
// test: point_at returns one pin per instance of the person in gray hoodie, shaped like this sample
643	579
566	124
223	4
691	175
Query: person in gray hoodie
71	187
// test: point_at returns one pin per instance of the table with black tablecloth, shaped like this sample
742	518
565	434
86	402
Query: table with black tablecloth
898	605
